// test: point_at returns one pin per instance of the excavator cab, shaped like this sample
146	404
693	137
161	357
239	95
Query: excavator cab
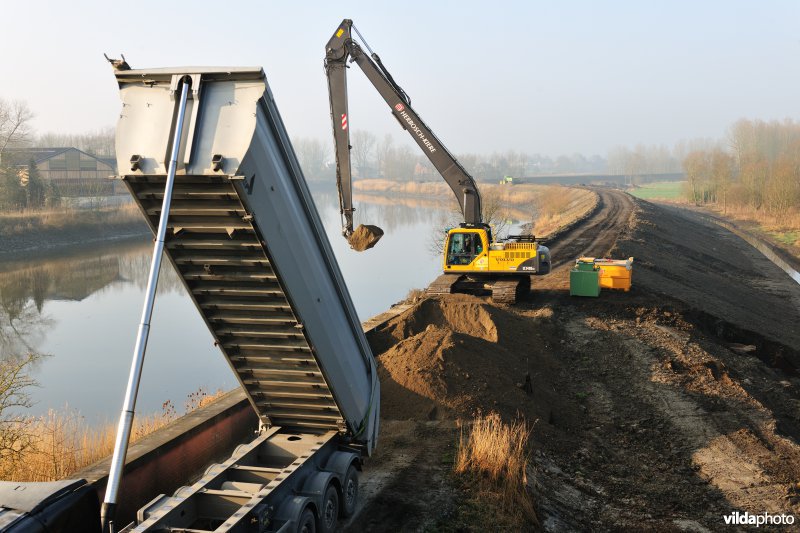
464	247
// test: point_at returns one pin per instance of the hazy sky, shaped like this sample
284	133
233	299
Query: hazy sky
543	77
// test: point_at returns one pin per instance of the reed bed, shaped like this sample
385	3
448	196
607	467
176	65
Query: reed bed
64	219
61	442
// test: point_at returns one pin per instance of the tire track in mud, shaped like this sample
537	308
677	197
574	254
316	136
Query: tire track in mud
597	236
594	238
689	385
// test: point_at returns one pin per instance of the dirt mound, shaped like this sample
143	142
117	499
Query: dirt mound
442	358
460	314
365	237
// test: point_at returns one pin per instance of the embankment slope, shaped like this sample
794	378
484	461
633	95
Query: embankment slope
664	408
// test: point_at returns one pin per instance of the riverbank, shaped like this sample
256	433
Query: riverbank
30	233
780	233
545	209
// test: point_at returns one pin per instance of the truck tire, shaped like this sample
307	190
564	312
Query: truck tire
307	522
330	510
349	492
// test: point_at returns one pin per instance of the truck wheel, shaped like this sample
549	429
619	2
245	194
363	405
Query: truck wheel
308	522
330	510
349	492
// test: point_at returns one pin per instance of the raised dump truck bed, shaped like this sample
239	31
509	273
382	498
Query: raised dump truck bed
249	246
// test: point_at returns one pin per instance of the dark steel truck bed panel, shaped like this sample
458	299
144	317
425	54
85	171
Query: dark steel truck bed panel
246	239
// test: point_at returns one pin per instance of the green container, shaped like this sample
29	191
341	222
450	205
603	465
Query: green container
584	279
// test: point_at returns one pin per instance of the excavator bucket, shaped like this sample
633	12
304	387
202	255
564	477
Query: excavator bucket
365	237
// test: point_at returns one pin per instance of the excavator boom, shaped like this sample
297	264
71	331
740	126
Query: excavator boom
472	259
339	49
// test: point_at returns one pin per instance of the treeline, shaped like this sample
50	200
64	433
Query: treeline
758	168
98	143
374	157
642	160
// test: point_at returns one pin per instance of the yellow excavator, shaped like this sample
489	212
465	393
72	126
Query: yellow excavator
472	260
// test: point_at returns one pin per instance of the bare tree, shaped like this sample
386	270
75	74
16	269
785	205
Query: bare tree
363	143
383	152
697	170
494	211
15	118
721	175
98	143
312	154
401	164
16	436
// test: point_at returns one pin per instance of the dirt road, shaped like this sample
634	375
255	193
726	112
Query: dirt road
597	236
664	408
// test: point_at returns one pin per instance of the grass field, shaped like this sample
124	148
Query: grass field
663	190
790	237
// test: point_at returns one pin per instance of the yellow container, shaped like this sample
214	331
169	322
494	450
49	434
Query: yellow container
615	273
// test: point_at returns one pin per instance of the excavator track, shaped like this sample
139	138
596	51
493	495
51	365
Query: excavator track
444	284
508	291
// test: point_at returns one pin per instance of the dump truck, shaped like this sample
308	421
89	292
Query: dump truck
473	259
239	226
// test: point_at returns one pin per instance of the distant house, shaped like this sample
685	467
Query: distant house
74	172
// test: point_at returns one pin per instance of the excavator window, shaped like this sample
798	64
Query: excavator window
463	248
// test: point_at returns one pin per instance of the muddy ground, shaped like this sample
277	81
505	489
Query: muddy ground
664	408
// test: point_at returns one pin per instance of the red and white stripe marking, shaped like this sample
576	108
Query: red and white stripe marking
344	121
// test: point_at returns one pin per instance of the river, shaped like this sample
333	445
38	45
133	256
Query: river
81	309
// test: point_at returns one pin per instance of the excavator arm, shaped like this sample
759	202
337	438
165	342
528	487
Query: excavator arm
339	49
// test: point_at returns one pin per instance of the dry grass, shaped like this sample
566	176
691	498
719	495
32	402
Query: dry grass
407	188
64	443
414	296
495	454
546	207
15	223
558	206
785	228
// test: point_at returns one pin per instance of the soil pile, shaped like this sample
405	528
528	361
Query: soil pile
456	356
365	237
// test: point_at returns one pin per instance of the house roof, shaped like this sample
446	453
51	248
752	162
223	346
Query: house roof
42	154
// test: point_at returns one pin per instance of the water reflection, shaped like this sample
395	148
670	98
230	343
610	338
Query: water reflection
25	286
82	307
70	276
22	327
74	275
